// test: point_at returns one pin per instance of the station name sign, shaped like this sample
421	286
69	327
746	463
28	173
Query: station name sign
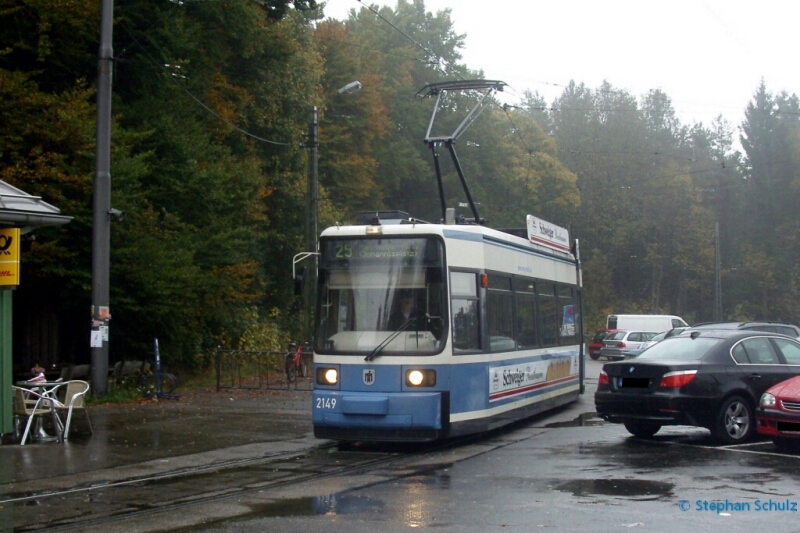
547	234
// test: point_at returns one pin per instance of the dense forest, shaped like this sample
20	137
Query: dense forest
211	109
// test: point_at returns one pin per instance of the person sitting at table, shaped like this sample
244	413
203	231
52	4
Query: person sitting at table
37	373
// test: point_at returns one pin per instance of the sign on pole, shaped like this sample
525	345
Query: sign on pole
9	256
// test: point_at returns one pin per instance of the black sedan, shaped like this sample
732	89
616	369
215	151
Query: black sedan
709	378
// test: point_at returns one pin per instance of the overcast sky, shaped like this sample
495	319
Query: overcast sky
708	56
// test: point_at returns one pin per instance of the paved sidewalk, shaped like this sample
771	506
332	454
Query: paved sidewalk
199	428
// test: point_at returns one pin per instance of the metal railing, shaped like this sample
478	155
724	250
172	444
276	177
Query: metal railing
260	370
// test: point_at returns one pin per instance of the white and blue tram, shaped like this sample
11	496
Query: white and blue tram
492	333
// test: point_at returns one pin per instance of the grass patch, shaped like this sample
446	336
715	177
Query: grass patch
126	392
198	381
129	390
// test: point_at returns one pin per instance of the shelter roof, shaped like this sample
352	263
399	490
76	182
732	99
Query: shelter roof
23	210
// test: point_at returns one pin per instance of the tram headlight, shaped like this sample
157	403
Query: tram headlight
327	376
420	378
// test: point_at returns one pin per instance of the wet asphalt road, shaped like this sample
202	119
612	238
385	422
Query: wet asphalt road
569	479
567	471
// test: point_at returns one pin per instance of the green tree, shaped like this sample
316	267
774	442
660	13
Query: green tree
770	134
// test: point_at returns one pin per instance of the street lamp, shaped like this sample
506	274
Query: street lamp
312	222
351	87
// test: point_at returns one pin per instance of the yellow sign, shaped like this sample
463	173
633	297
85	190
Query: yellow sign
9	256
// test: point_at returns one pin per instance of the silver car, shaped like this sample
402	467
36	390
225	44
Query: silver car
622	341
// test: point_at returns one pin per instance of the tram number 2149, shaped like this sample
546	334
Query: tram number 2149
326	403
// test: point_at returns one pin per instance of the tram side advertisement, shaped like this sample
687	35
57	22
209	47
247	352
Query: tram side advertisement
515	380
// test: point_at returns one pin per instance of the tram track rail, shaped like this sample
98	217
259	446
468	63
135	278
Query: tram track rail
76	508
181	472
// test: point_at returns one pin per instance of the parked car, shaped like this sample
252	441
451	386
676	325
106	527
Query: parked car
705	378
772	327
618	342
778	413
644	322
630	354
597	342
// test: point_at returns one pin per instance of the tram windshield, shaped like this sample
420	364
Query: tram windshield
385	292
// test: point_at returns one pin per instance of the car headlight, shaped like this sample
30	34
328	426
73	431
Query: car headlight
767	400
420	378
327	376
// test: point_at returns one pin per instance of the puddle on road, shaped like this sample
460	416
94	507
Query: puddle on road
585	419
333	504
633	488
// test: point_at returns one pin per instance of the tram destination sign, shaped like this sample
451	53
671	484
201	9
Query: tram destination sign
547	234
377	251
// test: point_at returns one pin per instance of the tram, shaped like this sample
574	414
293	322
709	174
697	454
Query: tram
425	331
494	332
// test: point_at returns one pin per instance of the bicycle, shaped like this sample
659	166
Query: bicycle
157	384
295	364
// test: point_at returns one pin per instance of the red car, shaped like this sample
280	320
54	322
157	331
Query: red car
597	342
778	413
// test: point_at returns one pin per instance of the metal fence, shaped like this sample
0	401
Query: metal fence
256	369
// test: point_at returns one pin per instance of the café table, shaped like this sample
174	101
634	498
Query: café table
45	394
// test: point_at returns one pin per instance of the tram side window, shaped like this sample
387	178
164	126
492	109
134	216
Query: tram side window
547	314
568	315
500	314
464	309
434	302
525	312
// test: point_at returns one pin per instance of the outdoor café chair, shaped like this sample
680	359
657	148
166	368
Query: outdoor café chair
74	398
30	404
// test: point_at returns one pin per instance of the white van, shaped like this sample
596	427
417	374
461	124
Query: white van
655	323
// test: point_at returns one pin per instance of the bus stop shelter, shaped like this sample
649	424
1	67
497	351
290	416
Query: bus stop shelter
20	214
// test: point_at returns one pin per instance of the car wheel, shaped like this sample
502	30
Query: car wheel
734	421
643	430
594	356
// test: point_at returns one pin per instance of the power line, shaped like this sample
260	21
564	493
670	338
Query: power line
430	53
196	99
355	45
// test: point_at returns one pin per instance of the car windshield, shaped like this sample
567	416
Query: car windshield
659	337
600	335
617	336
680	349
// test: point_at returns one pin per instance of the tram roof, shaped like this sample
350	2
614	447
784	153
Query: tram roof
446	231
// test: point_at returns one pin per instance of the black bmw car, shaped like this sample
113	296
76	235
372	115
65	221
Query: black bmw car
706	378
